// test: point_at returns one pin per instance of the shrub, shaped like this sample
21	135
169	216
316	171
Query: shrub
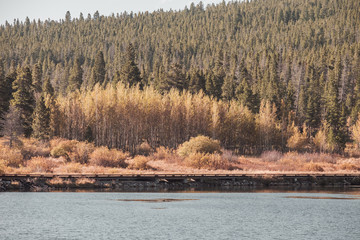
33	148
63	148
271	156
12	156
144	149
312	167
349	167
102	156
3	166
140	163
199	144
81	152
161	153
70	167
41	164
207	161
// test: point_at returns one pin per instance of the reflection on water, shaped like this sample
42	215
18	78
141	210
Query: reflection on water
156	200
336	198
250	214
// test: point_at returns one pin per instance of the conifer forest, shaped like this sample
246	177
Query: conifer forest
256	75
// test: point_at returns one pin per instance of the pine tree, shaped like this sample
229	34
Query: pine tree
98	71
23	98
37	79
76	76
41	122
228	88
5	92
130	73
196	81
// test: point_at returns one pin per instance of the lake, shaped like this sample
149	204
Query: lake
201	215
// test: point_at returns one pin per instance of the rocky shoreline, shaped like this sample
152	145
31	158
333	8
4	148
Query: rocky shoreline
44	184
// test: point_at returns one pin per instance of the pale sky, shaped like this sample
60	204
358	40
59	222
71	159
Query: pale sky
56	9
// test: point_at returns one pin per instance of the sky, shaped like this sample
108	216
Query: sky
56	9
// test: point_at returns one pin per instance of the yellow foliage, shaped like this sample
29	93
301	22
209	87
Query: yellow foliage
199	144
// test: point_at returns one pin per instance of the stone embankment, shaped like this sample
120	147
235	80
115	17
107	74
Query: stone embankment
171	182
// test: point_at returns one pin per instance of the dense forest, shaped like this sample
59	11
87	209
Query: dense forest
256	75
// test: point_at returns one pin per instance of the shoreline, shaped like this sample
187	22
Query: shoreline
171	182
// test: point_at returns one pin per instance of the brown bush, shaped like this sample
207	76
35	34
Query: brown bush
70	167
105	157
349	167
271	156
312	167
3	166
199	144
144	149
207	161
41	164
81	152
63	148
140	163
33	148
12	156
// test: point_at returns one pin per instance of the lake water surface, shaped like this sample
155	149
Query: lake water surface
202	215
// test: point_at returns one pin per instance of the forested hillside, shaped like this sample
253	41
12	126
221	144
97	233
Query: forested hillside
256	75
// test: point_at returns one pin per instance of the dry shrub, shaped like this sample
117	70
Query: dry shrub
199	144
41	164
288	164
3	166
271	156
63	148
85	182
312	167
229	156
12	156
105	157
349	167
81	152
140	163
161	153
34	148
70	167
207	161
144	149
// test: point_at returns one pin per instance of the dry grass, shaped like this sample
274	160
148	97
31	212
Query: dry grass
33	148
312	167
69	168
105	157
42	165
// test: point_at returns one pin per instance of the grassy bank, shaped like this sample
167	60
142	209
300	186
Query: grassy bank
70	156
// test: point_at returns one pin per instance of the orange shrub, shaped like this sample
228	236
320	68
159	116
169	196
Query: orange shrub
349	167
12	156
271	156
81	152
41	164
105	157
207	161
144	149
312	167
140	163
3	166
34	148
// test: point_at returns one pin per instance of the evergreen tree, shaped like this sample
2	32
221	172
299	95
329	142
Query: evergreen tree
228	88
5	92
23	98
98	70
41	122
76	76
130	73
12	127
196	81
37	79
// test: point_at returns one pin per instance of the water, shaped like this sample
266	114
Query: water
242	215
